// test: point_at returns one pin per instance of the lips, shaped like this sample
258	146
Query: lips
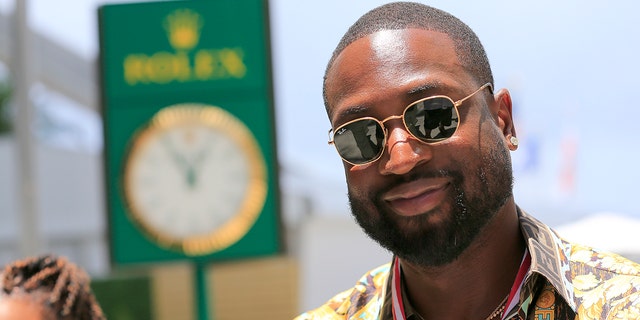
417	197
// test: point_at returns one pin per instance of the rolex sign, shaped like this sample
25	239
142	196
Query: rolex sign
190	149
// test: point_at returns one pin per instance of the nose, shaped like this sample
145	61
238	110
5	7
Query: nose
403	152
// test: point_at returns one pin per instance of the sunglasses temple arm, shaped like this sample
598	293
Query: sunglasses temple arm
488	84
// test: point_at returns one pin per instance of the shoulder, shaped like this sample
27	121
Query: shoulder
590	280
585	259
362	301
605	285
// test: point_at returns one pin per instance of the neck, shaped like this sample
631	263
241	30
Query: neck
477	281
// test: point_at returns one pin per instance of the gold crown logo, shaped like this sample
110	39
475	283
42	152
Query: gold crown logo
183	28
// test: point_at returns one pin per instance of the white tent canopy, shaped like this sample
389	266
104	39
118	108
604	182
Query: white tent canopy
608	231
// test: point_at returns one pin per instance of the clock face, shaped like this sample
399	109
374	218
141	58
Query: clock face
194	179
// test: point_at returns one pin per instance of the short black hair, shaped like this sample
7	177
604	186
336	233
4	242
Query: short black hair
403	15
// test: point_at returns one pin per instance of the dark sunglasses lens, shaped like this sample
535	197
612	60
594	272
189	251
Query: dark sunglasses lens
359	142
432	120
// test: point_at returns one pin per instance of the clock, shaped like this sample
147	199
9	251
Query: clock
194	179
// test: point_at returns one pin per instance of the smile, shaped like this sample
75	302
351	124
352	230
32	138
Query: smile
416	197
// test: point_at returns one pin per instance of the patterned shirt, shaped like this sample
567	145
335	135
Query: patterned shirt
565	281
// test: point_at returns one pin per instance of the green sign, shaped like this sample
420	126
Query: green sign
124	298
190	147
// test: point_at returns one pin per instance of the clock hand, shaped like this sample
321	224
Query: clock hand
195	164
175	155
191	176
184	165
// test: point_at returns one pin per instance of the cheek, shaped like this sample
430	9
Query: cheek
361	179
476	138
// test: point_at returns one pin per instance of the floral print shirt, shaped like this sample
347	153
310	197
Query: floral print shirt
565	281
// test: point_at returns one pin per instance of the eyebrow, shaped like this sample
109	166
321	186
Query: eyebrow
424	88
353	110
362	109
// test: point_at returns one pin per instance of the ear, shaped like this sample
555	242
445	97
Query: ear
505	118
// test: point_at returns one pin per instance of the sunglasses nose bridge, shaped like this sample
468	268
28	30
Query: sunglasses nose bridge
384	127
390	118
404	125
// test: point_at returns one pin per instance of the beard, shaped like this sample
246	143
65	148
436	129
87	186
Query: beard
422	242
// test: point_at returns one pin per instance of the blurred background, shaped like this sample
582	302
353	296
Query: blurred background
570	66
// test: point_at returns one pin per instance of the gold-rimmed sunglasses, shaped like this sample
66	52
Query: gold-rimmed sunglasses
430	120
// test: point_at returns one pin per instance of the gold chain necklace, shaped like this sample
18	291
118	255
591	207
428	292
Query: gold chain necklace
499	309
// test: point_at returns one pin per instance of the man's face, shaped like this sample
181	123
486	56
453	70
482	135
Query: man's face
424	202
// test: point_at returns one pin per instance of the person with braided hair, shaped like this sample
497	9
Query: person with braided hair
47	287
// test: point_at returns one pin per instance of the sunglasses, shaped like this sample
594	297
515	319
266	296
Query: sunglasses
430	120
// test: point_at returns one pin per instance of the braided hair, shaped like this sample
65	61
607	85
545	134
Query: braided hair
60	285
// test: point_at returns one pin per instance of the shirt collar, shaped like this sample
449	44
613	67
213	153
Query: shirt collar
408	308
549	255
386	312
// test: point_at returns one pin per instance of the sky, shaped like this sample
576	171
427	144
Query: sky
571	67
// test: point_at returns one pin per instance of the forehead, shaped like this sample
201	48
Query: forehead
391	62
20	308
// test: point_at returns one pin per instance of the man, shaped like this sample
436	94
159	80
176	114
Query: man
443	205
